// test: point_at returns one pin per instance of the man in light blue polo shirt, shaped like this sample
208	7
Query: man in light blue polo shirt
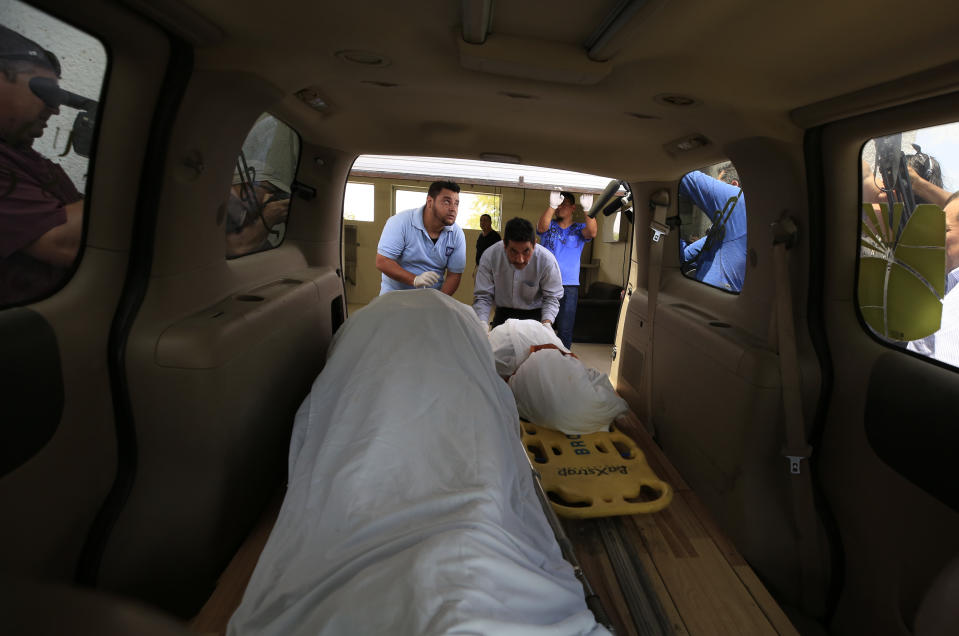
417	246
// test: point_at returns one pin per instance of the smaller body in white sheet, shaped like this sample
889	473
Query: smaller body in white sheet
410	507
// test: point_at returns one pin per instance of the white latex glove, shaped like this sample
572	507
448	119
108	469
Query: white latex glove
586	200
426	279
555	199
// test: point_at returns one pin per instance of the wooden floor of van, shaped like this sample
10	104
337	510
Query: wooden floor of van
690	579
687	578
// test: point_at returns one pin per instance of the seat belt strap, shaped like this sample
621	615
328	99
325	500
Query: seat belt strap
796	449
657	241
717	231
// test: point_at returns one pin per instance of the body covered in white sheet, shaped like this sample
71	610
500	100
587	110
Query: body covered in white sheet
410	507
560	392
512	340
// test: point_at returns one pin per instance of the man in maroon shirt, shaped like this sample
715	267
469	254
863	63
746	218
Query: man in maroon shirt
41	212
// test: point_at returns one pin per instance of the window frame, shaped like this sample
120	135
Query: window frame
293	183
891	344
89	180
694	208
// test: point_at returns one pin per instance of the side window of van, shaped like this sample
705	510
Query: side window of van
258	203
51	75
712	213
909	241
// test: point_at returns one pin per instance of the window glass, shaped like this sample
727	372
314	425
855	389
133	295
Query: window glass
473	205
358	202
909	241
51	75
259	199
712	213
406	199
609	228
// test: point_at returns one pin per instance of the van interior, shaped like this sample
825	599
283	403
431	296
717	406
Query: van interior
152	391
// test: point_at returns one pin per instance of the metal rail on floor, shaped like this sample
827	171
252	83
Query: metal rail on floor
593	602
638	592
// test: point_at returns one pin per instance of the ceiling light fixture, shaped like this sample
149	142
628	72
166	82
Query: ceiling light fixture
685	144
311	97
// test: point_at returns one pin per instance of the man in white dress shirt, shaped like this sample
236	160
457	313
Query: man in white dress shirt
521	278
944	344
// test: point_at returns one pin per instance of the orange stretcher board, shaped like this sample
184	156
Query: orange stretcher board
595	475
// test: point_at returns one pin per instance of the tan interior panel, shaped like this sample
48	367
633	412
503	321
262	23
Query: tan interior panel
718	417
182	370
214	409
49	503
631	355
878	511
716	398
216	335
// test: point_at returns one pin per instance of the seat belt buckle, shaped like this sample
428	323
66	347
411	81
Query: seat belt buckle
794	463
795	457
659	230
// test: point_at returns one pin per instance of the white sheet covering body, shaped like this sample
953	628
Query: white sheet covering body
511	342
410	507
562	393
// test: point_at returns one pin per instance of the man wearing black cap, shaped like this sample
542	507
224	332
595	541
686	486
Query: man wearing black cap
41	212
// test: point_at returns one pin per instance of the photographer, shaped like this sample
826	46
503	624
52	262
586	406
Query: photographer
253	210
41	211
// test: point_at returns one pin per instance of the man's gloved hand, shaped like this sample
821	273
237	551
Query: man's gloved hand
586	200
426	279
555	199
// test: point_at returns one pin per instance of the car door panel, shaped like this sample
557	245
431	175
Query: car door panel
215	393
34	394
220	353
887	411
50	500
727	441
716	398
927	418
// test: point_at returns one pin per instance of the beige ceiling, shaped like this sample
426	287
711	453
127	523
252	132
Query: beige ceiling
749	63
